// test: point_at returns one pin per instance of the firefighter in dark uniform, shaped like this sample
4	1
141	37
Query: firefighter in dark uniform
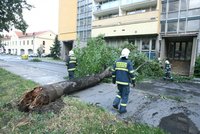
71	64
123	75
167	71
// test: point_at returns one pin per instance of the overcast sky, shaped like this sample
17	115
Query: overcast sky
43	17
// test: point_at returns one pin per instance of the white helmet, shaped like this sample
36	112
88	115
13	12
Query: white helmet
166	62
125	53
71	53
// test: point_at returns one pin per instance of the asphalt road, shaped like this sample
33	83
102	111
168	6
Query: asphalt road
40	72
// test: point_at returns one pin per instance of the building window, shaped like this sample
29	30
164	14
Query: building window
164	8
173	15
173	6
183	5
194	3
194	12
153	44
145	44
172	26
162	27
179	50
149	47
27	42
193	25
182	26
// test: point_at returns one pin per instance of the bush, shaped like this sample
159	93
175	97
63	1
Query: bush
35	60
97	56
149	70
197	67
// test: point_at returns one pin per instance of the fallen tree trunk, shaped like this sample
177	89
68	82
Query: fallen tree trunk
43	95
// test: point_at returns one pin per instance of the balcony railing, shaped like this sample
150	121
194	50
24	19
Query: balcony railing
126	20
127	2
132	4
105	6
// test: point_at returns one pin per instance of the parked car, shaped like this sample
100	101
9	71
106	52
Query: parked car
43	55
24	57
33	55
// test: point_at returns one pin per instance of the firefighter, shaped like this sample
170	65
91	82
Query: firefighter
122	75
71	64
167	70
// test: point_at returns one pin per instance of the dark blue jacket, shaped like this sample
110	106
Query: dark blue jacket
123	72
71	63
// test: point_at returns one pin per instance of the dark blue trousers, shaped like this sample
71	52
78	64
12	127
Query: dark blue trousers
122	97
71	74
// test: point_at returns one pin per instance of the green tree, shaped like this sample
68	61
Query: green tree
94	58
40	51
98	55
1	44
55	50
11	14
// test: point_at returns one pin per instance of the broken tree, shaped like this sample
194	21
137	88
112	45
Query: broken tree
43	95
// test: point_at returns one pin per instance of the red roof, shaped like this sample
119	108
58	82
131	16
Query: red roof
20	34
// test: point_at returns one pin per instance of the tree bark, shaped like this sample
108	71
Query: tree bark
45	94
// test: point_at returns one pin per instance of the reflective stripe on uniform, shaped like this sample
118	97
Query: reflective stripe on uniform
72	61
71	69
133	78
122	69
122	83
73	58
122	104
118	96
132	71
113	76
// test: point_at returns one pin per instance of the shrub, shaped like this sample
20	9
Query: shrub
149	70
35	60
97	56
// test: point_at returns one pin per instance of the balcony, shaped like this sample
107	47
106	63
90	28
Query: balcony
106	8
128	5
99	0
135	24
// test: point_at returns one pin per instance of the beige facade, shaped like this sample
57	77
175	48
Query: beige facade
132	21
136	24
18	43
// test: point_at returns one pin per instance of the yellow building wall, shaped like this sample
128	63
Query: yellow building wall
67	20
136	24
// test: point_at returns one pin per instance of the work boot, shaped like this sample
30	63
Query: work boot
115	107
124	111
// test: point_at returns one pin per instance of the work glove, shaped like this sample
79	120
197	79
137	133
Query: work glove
133	83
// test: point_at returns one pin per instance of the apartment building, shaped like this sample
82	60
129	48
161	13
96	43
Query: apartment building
75	17
168	29
180	29
133	21
17	43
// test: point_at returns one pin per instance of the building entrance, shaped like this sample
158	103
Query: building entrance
179	54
